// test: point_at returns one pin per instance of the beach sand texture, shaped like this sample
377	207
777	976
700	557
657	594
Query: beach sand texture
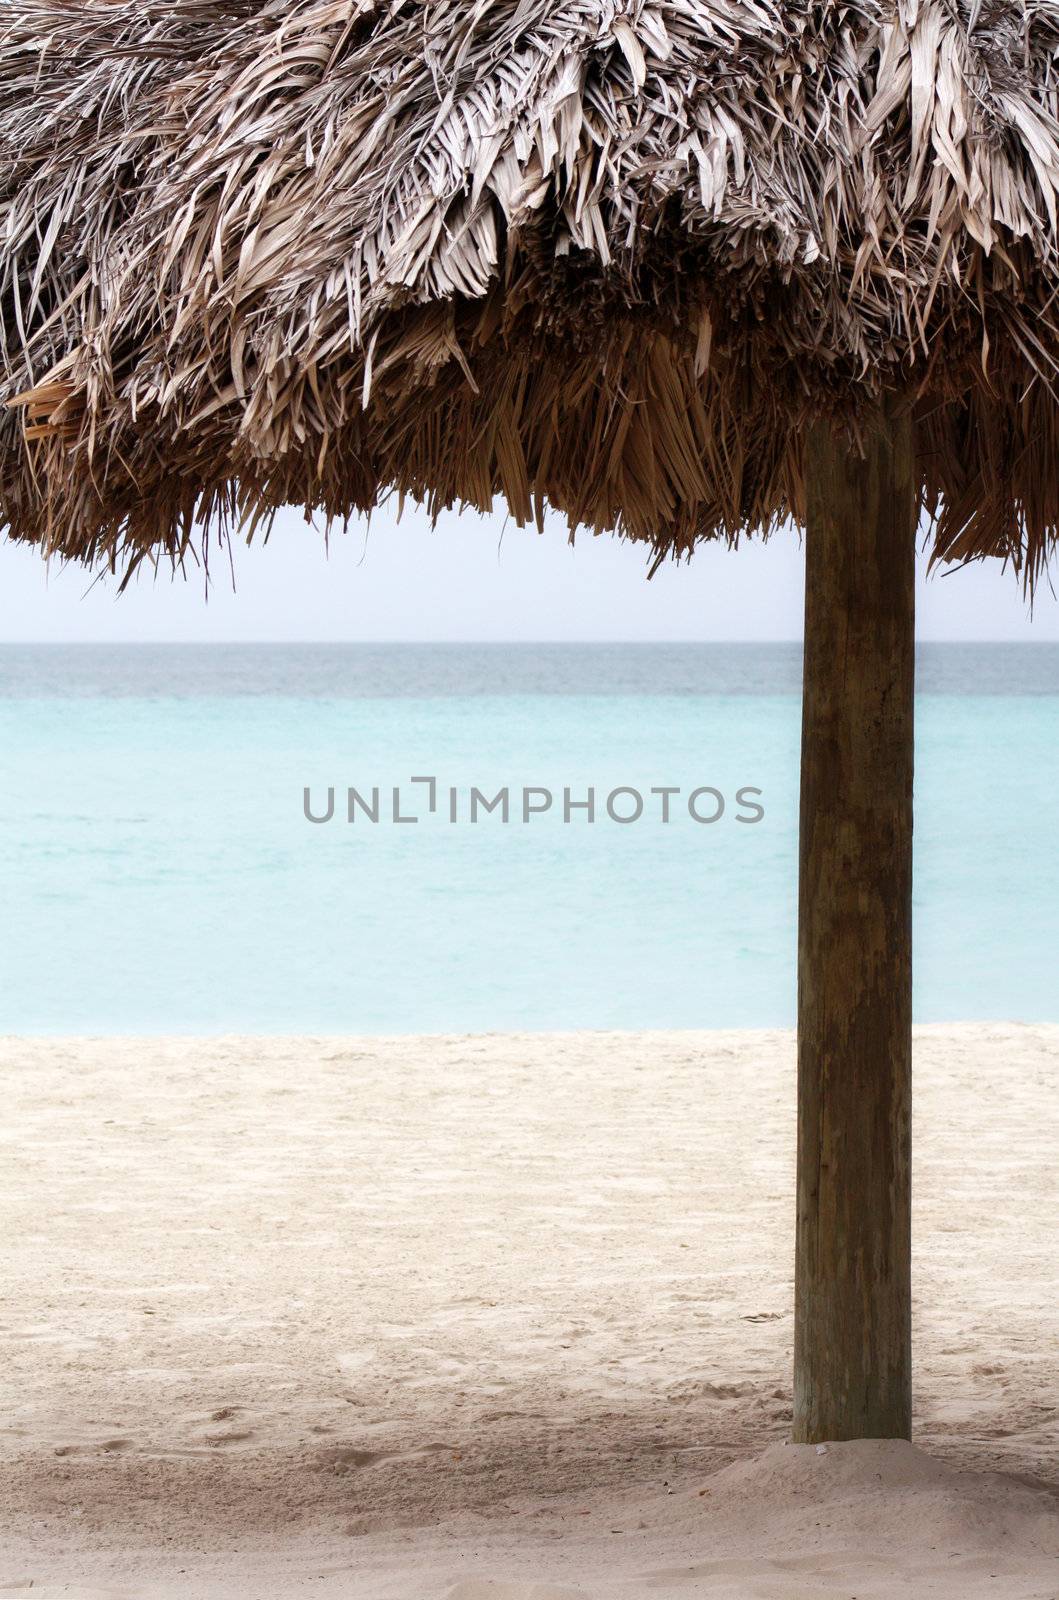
502	1318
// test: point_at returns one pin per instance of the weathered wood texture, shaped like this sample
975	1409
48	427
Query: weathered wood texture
852	1339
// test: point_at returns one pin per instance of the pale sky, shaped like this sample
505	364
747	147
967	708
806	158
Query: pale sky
475	579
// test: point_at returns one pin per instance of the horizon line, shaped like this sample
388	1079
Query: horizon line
15	644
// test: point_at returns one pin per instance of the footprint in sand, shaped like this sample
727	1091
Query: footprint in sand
219	1438
342	1458
701	1389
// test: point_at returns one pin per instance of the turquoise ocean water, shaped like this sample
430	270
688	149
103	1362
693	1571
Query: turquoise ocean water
158	874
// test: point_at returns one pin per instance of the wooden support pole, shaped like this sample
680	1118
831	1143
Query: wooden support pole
852	1334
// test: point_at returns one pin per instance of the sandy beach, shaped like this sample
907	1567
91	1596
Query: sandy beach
502	1318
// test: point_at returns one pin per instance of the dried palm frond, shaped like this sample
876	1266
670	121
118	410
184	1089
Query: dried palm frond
610	256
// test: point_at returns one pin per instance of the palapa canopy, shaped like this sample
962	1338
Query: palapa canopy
610	256
683	268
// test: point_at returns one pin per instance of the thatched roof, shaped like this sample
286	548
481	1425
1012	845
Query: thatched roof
607	255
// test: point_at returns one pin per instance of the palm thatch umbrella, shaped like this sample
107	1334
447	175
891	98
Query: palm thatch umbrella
685	269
